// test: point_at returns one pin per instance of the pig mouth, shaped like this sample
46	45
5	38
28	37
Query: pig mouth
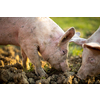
57	66
83	75
62	66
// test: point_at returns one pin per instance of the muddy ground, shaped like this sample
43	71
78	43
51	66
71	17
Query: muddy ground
12	72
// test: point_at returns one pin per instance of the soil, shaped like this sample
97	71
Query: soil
12	72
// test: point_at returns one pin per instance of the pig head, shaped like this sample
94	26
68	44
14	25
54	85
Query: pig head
90	56
56	52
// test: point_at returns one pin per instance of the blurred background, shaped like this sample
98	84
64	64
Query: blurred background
85	25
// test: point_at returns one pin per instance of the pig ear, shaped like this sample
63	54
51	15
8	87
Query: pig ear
76	39
92	45
67	36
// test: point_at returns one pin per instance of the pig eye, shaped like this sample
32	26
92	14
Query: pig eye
92	60
64	52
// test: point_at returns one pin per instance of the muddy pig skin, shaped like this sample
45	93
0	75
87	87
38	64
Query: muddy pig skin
37	34
90	56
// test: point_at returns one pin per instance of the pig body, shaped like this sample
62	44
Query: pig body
37	34
90	56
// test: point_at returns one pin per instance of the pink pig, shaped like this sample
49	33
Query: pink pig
90	56
35	35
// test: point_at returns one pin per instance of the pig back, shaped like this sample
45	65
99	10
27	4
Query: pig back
10	28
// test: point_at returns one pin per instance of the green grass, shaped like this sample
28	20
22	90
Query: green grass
85	25
75	50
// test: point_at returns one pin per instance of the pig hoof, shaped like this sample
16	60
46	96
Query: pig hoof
40	72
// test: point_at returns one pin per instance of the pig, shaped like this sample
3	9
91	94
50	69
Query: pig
37	34
90	56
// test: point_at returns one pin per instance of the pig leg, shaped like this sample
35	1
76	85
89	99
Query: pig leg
35	59
32	54
24	60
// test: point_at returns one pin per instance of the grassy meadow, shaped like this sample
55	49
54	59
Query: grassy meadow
85	25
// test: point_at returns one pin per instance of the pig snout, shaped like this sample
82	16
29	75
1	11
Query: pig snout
81	74
57	66
64	66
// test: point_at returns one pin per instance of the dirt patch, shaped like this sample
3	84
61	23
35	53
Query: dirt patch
11	70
